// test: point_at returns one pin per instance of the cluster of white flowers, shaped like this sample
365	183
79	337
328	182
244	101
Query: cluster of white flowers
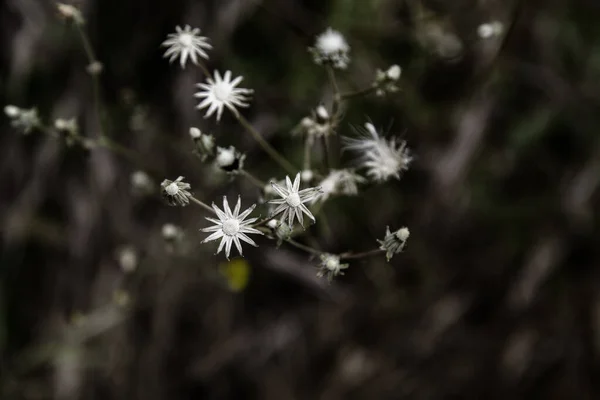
24	119
288	202
386	81
381	158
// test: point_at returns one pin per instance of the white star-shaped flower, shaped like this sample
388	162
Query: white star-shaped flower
291	203
231	227
186	43
331	47
222	92
383	159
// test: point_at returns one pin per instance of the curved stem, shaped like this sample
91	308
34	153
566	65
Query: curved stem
266	146
350	256
358	93
303	247
307	154
91	56
202	204
257	182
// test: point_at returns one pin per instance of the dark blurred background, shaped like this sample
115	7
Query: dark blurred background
496	295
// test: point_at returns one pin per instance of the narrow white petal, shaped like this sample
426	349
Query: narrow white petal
307	211
299	216
223	241
280	191
289	185
228	246
243	215
222	216
297	182
226	208
247	239
238	245
214	236
238	205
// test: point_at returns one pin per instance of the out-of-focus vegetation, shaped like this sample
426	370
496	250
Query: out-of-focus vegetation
497	294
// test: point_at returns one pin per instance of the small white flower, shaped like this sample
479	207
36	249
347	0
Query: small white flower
186	43
12	111
222	92
331	48
291	203
128	258
229	159
204	144
141	183
307	175
95	68
68	11
344	182
330	266
394	242
319	124
383	159
69	126
171	233
231	227
27	120
176	192
487	30
385	81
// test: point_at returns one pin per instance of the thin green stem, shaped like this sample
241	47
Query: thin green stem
257	182
303	247
91	56
202	204
336	89
350	256
327	151
266	146
204	70
307	153
358	93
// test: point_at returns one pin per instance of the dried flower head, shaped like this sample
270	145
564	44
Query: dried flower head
204	144
394	242
330	266
231	227
176	192
185	43
385	81
219	92
229	159
490	29
331	48
127	258
69	128
319	123
70	12
26	120
292	199
383	159
340	182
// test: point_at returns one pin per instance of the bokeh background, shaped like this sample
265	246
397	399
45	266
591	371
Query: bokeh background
496	296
